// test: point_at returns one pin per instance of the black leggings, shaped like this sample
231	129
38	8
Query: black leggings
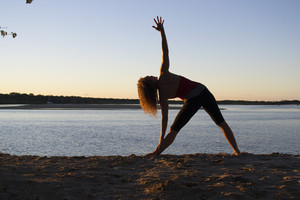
191	106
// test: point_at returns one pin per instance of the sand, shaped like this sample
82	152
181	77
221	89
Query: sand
193	176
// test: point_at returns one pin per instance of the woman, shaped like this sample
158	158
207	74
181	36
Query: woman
169	86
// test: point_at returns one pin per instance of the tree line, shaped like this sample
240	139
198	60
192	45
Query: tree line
241	102
18	98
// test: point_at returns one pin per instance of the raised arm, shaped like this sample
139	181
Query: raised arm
165	58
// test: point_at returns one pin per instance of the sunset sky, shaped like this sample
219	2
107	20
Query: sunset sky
240	49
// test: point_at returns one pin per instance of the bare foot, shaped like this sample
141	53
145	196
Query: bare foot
154	153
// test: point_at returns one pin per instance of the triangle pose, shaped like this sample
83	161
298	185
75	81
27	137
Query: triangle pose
169	85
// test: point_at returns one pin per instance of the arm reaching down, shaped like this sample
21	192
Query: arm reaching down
164	118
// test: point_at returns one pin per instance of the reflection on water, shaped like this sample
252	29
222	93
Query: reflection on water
258	129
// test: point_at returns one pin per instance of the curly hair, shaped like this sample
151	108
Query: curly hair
148	95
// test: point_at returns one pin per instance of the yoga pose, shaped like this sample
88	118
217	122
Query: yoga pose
169	86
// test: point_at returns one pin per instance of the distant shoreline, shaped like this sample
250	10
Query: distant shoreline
31	99
89	106
77	106
72	106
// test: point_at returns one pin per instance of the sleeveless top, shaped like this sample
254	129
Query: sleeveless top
188	89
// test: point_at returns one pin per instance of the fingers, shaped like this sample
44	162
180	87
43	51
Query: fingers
158	20
159	23
162	20
154	27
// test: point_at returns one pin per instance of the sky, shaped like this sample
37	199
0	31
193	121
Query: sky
239	49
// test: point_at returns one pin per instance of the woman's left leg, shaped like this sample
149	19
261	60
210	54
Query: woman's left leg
167	141
187	111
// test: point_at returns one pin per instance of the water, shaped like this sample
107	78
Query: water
258	129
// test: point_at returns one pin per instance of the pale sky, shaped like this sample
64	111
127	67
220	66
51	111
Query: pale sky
240	49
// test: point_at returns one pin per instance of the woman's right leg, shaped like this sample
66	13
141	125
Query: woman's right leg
229	137
212	108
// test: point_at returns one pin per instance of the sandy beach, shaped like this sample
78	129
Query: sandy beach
193	176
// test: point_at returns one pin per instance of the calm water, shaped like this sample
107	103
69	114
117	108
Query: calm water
258	129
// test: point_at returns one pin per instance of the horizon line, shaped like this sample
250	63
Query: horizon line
111	98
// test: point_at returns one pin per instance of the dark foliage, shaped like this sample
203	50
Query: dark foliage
18	98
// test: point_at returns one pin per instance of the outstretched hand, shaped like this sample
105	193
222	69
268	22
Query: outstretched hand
159	23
